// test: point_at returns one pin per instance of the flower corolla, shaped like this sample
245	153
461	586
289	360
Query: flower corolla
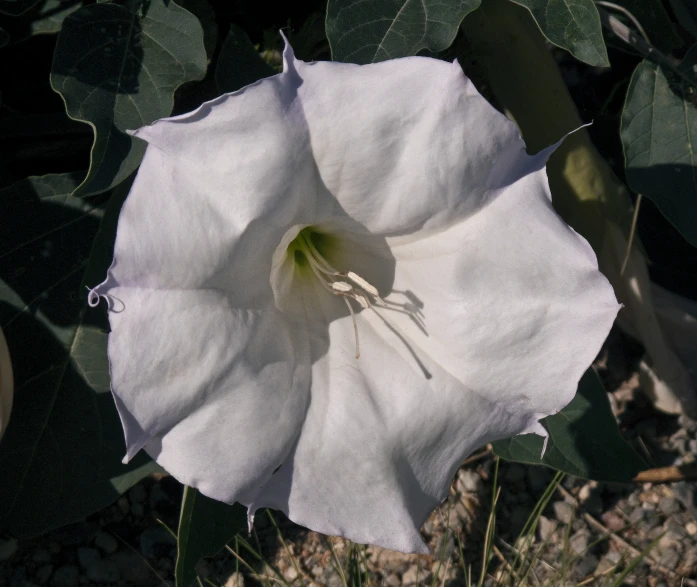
332	285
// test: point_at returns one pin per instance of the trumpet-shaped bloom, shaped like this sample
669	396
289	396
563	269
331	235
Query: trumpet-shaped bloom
331	286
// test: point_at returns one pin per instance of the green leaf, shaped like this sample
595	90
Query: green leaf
46	17
584	439
205	527
367	32
573	25
17	7
117	68
239	63
659	136
61	456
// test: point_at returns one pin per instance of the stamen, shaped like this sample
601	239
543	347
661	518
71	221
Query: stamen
342	287
355	327
360	282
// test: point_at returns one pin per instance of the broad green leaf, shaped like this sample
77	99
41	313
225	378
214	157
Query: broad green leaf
60	459
17	7
46	17
584	439
203	11
367	32
205	527
573	25
659	136
117	67
239	63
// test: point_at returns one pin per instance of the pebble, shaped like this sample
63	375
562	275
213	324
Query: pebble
41	556
153	538
237	579
137	494
43	573
607	562
613	521
669	505
290	573
563	511
7	548
545	528
132	568
691	528
67	576
104	571
468	481
392	580
637	516
669	558
88	556
122	504
106	542
586	565
412	575
579	543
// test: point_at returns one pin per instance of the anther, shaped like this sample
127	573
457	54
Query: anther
362	283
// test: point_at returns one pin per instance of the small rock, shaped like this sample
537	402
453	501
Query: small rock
290	573
392	580
692	446
412	576
137	494
633	500
316	571
612	521
155	540
579	543
669	505
88	556
41	556
106	542
468	481
67	576
607	562
43	573
586	565
132	568
545	528
691	528
7	548
122	504
585	492
637	516
669	558
237	579
104	571
563	511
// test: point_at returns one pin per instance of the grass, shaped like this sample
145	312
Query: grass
521	564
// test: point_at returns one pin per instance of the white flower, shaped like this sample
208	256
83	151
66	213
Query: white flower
273	231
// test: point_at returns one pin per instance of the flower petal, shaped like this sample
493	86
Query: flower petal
513	303
408	144
215	393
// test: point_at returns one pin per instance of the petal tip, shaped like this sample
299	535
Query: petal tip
288	54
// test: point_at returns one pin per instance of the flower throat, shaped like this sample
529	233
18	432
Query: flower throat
347	285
